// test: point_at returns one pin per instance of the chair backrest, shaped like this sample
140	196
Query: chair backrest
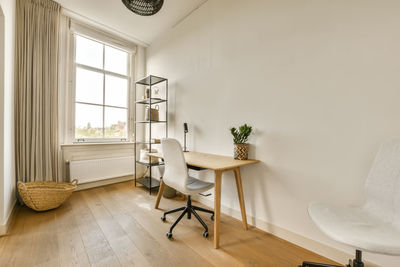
176	172
383	184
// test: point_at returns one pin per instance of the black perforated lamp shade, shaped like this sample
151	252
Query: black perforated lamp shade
144	7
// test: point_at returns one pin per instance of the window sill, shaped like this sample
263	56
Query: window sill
97	144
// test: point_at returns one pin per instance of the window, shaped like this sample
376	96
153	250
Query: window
102	85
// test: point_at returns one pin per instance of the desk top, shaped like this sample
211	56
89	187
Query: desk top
211	161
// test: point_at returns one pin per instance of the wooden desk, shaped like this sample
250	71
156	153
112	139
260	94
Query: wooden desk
218	164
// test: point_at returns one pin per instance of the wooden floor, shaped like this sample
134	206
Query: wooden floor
116	225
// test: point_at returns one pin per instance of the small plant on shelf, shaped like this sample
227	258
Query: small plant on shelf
240	137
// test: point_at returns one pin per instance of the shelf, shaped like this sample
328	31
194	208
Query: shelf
150	164
153	101
150	80
146	182
148	143
141	124
150	121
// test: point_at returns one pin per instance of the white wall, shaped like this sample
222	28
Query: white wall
319	81
7	165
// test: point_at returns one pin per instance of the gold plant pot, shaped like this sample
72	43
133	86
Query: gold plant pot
241	151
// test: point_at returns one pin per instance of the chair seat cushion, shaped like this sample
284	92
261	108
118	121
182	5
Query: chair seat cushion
354	226
197	186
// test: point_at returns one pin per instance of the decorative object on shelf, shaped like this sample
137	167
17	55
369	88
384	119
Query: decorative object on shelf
147	93
185	131
144	155
156	140
41	196
156	93
152	113
144	7
240	137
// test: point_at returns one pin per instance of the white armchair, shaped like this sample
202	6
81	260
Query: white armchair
374	226
176	176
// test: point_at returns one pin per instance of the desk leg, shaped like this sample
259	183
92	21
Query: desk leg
239	186
217	207
159	195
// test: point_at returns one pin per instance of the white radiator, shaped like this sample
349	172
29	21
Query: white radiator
99	169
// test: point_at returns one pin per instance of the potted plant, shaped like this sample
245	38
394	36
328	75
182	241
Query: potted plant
240	137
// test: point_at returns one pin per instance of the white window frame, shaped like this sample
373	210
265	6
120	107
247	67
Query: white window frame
108	40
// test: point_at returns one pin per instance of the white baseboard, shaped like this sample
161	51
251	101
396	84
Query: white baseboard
104	182
312	245
6	225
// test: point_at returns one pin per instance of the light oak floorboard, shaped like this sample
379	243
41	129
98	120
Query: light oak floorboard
141	209
117	225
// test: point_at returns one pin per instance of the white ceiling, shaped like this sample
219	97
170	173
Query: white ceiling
114	14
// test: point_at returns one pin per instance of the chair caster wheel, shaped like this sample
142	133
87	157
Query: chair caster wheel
169	235
212	217
205	234
163	218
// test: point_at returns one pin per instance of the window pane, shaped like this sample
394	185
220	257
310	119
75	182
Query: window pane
116	60
116	91
116	122
89	86
88	52
88	121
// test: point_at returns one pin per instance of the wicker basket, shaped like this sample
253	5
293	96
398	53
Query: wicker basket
41	196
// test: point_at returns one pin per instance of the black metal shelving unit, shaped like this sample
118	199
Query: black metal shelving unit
149	182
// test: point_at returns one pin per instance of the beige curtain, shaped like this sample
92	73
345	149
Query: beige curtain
36	90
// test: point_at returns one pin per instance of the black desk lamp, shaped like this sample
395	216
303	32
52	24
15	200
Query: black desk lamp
185	131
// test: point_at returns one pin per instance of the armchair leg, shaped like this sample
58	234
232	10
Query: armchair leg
200	220
179	218
357	262
174	210
203	210
315	264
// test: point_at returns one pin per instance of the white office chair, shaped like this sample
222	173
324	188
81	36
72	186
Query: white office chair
176	176
374	226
